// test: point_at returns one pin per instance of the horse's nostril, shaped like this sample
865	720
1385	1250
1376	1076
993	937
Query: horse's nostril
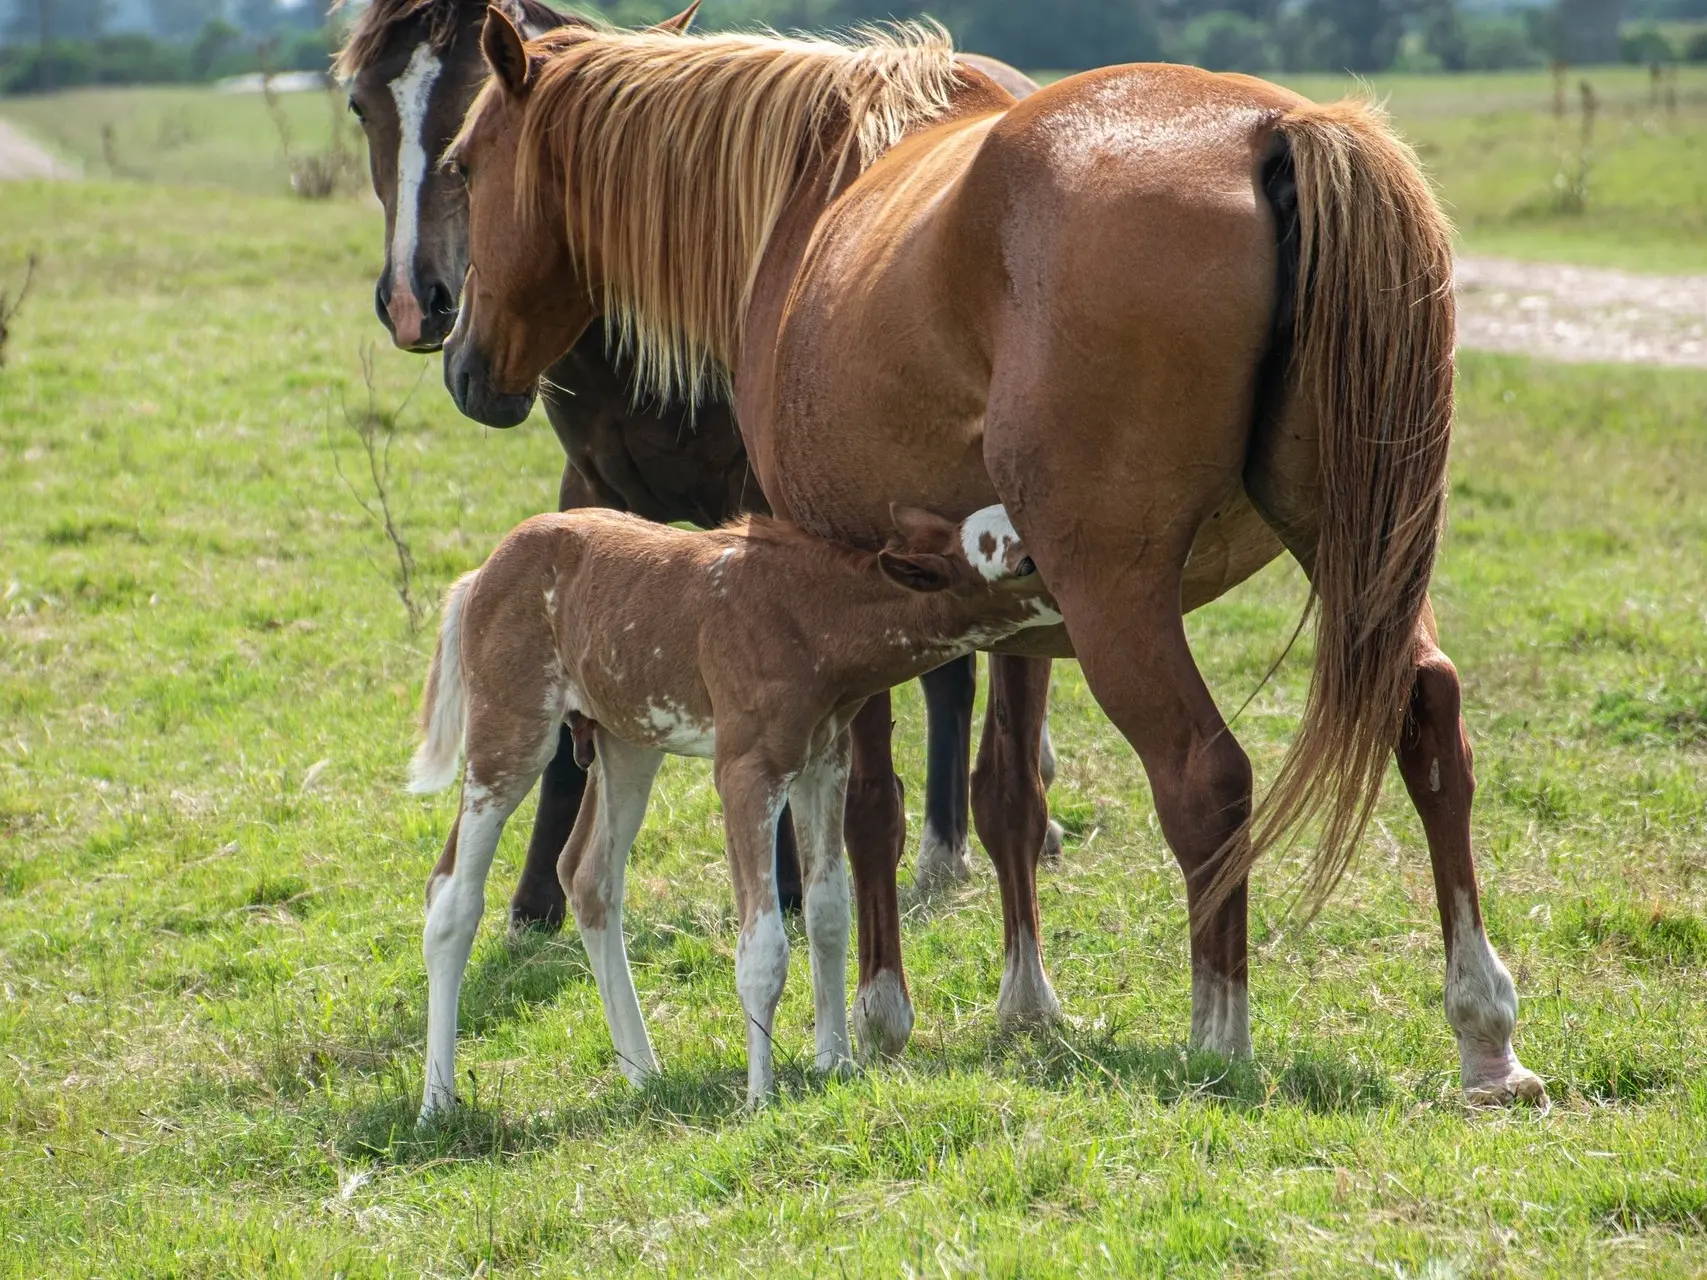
439	300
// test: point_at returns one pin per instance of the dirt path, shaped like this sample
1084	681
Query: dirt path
22	158
1582	313
1541	309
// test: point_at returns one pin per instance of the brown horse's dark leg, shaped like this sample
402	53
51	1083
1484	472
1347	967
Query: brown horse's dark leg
944	851
1013	820
538	902
874	829
1437	763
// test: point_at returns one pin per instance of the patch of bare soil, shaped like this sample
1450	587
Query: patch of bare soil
22	158
1581	314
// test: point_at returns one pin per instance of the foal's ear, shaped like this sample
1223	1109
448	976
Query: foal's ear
918	570
681	22
502	45
920	530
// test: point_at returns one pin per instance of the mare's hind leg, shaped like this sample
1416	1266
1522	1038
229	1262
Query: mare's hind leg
592	870
819	799
944	850
1009	807
1481	1002
874	828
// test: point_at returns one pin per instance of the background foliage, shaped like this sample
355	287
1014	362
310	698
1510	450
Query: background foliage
54	43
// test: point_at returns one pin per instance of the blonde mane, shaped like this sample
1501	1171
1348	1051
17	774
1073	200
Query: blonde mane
678	154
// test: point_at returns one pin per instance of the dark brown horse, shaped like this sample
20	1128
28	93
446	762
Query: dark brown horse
413	67
1173	321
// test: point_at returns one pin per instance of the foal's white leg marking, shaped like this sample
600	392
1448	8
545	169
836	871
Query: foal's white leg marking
761	951
1220	1015
1481	1006
820	796
623	776
412	92
1026	997
454	905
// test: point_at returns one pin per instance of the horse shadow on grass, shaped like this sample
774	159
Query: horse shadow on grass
1315	1080
711	1098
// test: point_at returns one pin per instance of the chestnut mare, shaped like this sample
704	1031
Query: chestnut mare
1173	321
413	67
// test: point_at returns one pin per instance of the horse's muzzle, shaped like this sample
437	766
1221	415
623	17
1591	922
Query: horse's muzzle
468	378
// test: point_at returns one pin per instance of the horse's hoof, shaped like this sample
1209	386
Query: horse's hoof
1520	1086
535	914
941	863
1498	1079
1052	844
882	1017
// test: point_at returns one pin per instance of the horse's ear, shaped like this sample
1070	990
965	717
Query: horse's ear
681	22
505	53
917	570
919	530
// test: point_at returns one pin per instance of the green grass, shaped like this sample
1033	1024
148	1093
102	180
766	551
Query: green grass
183	135
1494	146
210	985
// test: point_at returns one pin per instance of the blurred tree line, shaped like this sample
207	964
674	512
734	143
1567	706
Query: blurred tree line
55	42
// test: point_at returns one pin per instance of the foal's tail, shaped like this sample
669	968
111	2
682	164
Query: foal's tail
1372	326
444	706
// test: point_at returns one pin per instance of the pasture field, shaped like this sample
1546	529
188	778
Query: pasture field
1490	140
211	992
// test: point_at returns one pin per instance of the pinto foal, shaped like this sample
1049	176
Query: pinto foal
755	644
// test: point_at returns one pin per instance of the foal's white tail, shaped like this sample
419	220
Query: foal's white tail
444	706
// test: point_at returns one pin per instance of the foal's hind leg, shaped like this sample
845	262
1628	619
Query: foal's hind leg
592	869
456	897
1012	816
1481	1002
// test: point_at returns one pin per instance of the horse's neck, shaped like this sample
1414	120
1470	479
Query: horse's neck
755	372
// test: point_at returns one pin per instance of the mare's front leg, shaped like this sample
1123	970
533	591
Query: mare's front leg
456	897
819	799
592	870
753	795
1481	1001
875	828
1013	819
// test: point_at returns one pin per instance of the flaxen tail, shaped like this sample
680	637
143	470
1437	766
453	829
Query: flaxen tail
1372	343
444	706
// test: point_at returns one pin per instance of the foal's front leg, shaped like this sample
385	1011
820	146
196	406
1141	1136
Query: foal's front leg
753	796
1481	1001
592	871
819	797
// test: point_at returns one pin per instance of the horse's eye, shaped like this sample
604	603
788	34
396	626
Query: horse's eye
459	169
1025	568
356	111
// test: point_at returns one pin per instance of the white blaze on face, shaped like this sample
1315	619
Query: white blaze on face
412	92
986	537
